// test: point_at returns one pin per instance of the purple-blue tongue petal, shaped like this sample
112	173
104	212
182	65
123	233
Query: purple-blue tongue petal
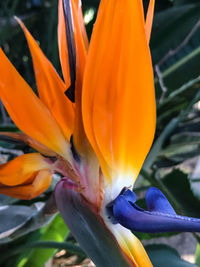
130	196
132	217
156	201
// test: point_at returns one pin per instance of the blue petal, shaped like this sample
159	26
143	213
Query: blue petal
156	201
130	196
132	217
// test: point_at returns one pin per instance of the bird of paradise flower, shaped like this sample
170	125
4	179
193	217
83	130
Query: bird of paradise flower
95	129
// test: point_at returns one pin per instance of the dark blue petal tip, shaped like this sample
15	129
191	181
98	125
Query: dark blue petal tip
159	216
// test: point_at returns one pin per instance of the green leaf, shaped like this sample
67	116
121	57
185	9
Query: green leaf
171	28
185	138
197	255
173	22
6	200
56	231
21	220
146	236
178	184
13	218
175	149
180	152
173	76
9	128
8	255
176	96
167	132
165	256
181	2
192	126
157	146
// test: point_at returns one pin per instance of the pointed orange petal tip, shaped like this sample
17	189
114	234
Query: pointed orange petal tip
50	86
81	39
62	44
78	5
149	19
27	110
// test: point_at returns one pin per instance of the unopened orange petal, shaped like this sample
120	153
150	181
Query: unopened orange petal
20	169
27	110
29	141
50	86
40	183
149	19
118	90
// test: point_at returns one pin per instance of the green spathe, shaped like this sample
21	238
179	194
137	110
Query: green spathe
92	235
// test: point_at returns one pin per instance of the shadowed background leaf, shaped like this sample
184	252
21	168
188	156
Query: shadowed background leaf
176	28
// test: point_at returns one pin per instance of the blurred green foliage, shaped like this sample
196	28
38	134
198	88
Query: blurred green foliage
175	47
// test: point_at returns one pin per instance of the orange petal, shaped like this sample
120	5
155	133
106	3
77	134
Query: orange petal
79	137
40	183
78	5
62	44
27	110
80	39
19	170
118	90
131	246
81	46
149	19
50	86
30	141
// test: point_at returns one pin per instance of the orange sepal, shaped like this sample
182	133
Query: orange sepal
79	137
50	86
21	169
80	38
29	141
149	19
118	90
62	44
131	246
27	110
78	5
81	46
40	183
81	50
